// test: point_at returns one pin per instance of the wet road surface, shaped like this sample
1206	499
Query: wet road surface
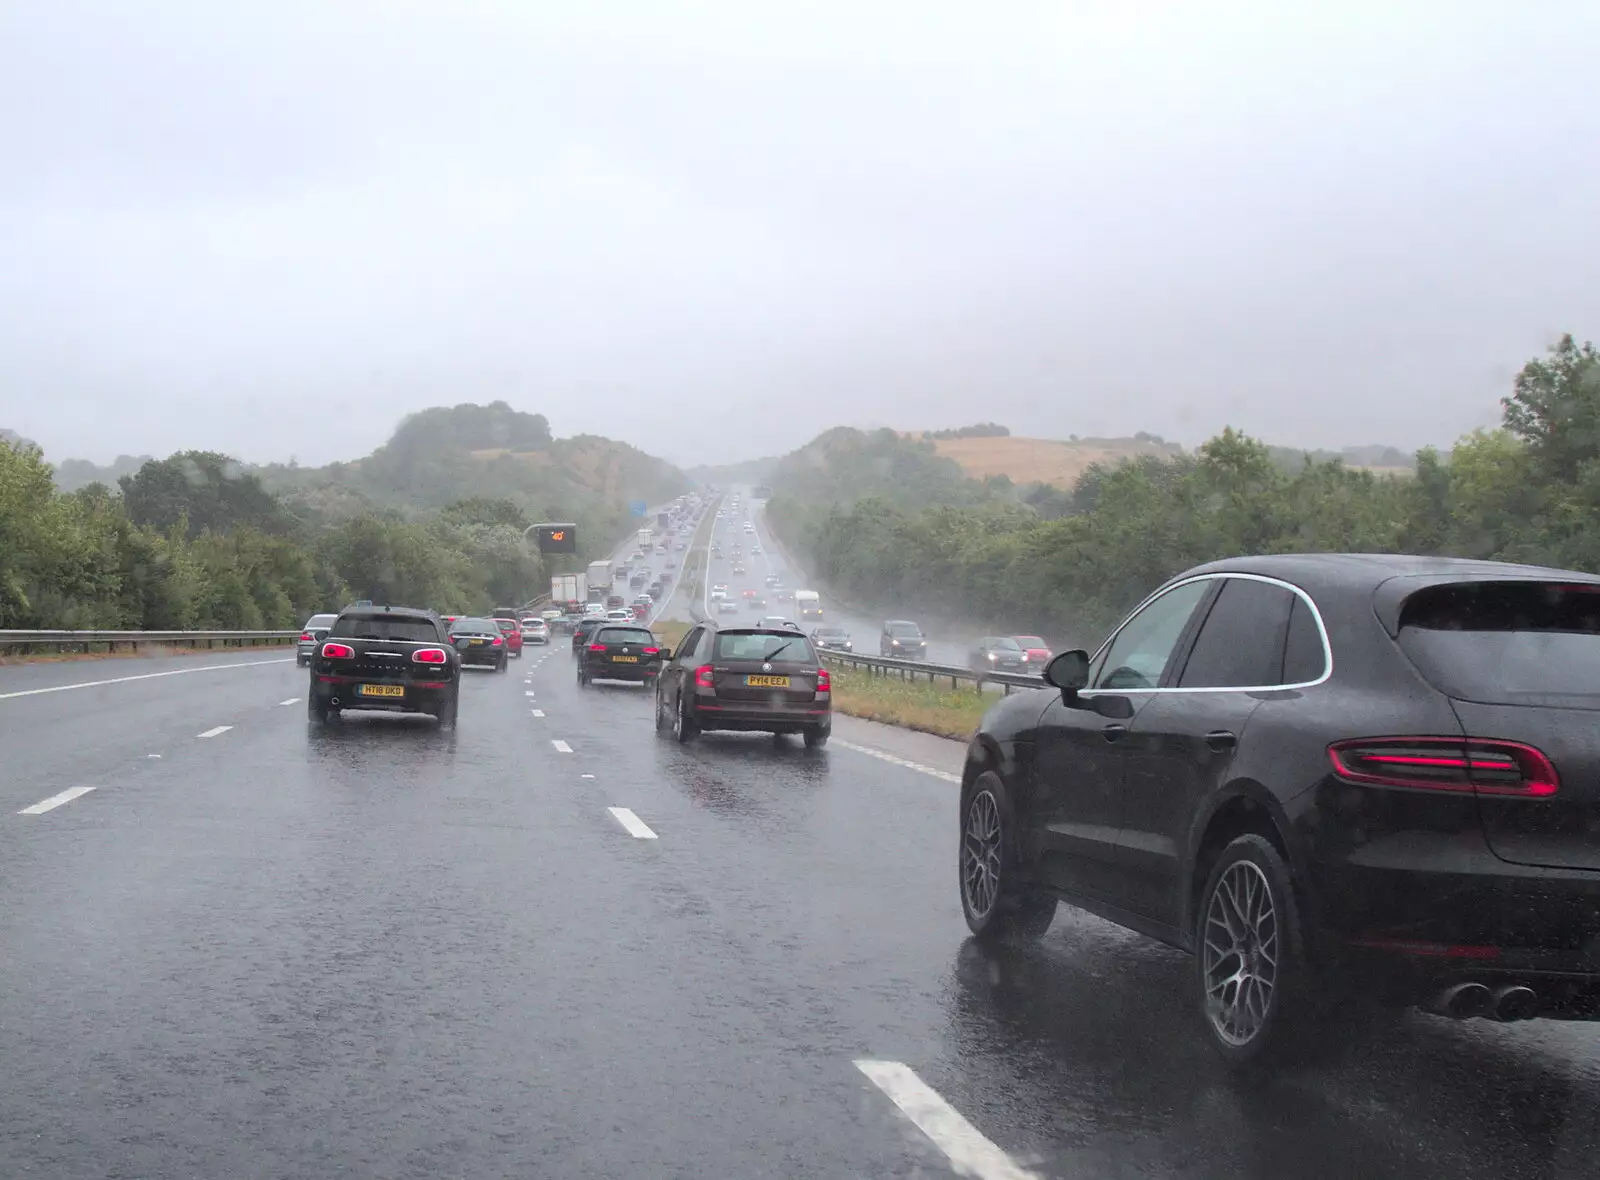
379	950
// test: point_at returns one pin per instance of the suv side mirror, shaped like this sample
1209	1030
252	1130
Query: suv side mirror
1068	671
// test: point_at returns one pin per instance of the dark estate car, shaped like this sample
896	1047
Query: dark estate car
480	641
766	679
393	659
584	628
619	651
903	639
997	653
1336	779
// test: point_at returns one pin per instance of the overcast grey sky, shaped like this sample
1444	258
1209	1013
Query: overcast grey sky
714	229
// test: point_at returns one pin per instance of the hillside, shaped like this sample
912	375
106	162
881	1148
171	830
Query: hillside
443	455
1044	460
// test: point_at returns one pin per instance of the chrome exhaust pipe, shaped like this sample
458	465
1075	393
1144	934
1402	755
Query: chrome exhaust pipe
334	701
1515	1002
1461	1001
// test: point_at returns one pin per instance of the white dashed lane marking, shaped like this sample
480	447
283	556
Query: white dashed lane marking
214	731
290	701
970	1151
561	746
898	761
538	712
529	693
56	801
635	826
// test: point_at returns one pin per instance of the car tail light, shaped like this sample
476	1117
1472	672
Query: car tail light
430	655
337	651
824	681
651	651
597	647
496	641
1487	766
307	637
703	677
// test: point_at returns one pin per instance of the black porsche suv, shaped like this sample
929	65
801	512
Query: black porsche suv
393	659
1341	781
764	679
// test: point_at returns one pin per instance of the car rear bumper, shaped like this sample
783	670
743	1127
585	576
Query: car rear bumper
343	692
761	716
489	656
1457	913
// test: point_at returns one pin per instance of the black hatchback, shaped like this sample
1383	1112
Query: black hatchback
617	651
1338	780
763	679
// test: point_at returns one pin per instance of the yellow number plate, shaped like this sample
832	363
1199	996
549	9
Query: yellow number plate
476	643
767	681
624	659
381	690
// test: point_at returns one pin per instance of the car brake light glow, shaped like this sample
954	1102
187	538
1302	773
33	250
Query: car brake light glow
824	681
496	641
305	637
651	651
597	647
337	651
1485	766
703	677
430	655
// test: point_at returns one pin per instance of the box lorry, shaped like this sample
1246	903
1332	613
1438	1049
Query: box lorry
644	539
599	580
565	588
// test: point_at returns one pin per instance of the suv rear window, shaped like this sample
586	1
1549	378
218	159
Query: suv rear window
401	628
625	635
1511	643
746	645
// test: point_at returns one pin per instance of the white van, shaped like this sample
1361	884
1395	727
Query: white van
808	604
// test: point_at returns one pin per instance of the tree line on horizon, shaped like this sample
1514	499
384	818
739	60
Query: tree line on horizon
198	541
882	520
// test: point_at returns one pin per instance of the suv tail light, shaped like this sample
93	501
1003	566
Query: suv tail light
1487	766
703	677
337	651
430	655
824	681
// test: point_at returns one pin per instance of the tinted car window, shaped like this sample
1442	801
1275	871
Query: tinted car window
625	635
760	646
903	629
1241	642
1507	643
1138	655
474	627
1004	644
401	628
1304	658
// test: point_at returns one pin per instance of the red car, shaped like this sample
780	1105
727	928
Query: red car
512	630
1034	652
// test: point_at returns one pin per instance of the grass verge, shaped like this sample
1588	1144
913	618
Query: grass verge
670	631
910	704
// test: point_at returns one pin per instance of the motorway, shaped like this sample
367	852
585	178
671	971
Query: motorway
553	944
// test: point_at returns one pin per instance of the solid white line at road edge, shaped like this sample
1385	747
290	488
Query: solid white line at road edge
898	761
290	701
55	801
215	731
636	827
561	746
34	692
970	1151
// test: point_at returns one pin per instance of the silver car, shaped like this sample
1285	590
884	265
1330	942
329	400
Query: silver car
313	633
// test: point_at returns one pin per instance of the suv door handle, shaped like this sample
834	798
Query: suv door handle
1114	733
1221	740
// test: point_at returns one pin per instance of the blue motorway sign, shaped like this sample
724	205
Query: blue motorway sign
638	508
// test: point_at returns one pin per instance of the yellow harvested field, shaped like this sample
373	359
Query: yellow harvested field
1041	460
